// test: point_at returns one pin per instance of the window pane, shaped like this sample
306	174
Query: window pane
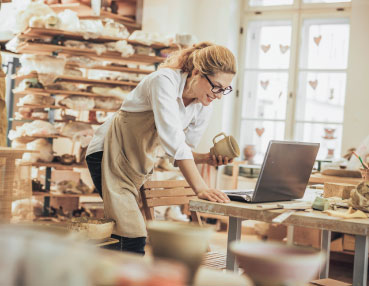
265	95
325	44
259	133
321	97
326	1
268	44
328	135
270	2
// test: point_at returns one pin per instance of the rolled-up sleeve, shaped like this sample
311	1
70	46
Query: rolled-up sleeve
163	97
197	126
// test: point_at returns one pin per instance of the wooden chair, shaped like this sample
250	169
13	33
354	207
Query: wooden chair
176	192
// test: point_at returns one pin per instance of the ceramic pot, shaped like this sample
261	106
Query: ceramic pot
249	152
93	229
268	263
182	242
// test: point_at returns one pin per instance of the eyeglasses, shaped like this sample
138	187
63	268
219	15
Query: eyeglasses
216	89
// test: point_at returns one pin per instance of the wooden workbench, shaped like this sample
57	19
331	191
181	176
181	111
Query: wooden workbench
237	211
318	178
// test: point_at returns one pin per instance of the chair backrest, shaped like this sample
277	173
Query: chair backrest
166	193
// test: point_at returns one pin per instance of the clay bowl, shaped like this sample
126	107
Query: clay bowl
183	242
268	263
97	230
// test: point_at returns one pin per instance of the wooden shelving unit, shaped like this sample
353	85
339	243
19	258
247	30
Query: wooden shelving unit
46	194
59	92
28	119
34	106
116	68
59	166
49	49
43	32
56	49
65	78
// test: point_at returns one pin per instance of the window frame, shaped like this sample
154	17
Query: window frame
296	13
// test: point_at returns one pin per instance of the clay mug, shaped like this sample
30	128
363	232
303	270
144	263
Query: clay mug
226	147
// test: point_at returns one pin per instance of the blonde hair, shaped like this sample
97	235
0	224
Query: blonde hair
206	57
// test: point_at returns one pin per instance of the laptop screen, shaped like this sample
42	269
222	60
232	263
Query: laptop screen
285	171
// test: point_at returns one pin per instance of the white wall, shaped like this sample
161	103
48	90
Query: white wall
209	20
356	121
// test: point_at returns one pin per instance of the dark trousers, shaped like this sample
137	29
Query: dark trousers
136	244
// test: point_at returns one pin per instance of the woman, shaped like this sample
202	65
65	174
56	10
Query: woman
170	107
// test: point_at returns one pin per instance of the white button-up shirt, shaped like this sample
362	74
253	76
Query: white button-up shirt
179	127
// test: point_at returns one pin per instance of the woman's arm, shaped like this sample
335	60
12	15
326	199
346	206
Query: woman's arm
194	179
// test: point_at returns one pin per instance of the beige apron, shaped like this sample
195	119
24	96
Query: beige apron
129	155
3	118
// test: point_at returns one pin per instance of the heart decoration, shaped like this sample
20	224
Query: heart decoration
260	131
317	40
313	84
264	84
329	133
265	48
284	49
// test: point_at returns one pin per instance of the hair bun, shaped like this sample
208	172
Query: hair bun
202	45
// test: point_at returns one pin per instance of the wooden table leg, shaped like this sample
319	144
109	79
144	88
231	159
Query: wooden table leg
235	171
234	233
360	261
326	248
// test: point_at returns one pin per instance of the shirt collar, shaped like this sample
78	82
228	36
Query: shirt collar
183	83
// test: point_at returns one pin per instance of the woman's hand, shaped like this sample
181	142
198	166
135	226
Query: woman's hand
213	196
217	161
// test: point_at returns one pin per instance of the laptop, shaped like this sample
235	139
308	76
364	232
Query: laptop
284	174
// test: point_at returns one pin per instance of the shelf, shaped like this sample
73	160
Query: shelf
30	138
34	106
25	119
59	166
116	68
48	49
46	194
128	22
83	80
59	92
42	32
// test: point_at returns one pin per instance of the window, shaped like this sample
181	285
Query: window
270	2
294	76
322	83
266	82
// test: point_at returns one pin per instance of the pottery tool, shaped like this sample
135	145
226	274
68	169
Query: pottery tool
282	217
286	206
295	206
361	161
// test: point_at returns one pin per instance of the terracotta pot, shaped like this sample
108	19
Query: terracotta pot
276	263
50	2
249	152
69	1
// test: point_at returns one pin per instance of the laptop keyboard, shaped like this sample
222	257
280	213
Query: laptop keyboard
245	193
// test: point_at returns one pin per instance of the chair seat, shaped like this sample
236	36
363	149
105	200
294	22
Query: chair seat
214	260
